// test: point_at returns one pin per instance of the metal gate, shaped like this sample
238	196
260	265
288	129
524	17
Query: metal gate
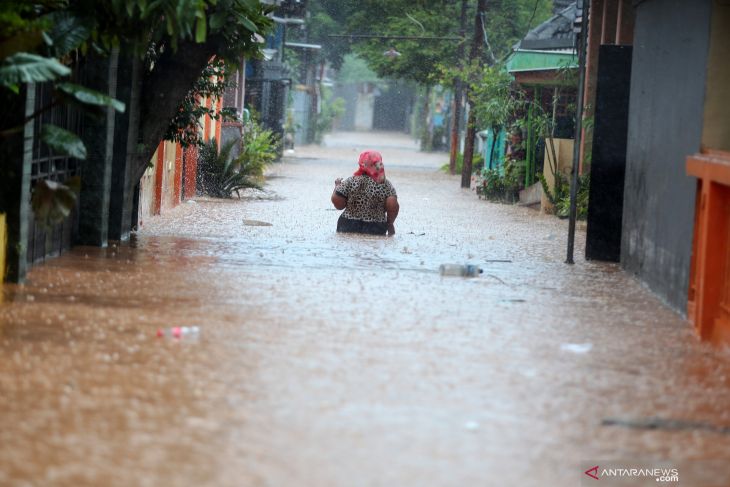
46	242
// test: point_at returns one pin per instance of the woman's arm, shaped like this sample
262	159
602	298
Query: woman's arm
391	210
339	201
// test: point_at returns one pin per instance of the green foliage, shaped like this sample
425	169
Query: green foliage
494	100
63	142
562	206
477	162
330	109
418	56
260	148
86	98
40	40
559	189
220	174
509	20
495	186
186	127
559	196
68	32
25	67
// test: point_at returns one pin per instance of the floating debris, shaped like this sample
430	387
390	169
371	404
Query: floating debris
256	223
576	347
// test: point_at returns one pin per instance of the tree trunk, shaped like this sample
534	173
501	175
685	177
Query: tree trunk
163	89
471	131
476	54
458	95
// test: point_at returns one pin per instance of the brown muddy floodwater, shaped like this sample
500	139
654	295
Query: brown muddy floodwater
338	360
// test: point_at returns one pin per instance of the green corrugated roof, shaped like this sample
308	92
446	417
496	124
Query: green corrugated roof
524	60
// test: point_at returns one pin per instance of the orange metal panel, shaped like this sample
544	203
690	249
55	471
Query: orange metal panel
708	302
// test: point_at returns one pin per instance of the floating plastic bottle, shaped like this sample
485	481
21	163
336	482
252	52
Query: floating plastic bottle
179	332
462	270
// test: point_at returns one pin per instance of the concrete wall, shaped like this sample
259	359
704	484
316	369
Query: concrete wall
671	41
564	156
171	178
147	192
716	133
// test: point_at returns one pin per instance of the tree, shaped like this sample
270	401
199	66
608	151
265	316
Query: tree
428	22
176	38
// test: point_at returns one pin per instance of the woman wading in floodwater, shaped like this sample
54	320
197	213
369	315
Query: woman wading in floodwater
369	200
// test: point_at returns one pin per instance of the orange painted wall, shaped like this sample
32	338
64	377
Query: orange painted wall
159	172
177	184
218	124
191	171
206	123
708	306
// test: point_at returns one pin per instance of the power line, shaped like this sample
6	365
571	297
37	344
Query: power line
418	38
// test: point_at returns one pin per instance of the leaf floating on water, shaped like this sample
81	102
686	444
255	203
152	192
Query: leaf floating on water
256	223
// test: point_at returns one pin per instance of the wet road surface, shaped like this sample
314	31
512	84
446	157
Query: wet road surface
340	360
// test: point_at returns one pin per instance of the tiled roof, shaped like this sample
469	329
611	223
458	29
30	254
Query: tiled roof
555	33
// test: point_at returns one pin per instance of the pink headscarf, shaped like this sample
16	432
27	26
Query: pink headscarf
371	164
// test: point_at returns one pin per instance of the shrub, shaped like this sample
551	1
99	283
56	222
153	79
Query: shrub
494	186
477	163
561	197
562	207
220	175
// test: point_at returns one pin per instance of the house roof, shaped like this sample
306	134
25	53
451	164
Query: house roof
523	60
557	32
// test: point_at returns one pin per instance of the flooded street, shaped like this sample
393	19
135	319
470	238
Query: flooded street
340	360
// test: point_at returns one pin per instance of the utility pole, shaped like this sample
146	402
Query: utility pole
471	130
584	32
458	94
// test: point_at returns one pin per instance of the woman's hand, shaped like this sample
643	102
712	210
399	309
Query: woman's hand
391	212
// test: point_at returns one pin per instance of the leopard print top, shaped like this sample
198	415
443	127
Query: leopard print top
365	198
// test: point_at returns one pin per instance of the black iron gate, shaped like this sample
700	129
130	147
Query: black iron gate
42	241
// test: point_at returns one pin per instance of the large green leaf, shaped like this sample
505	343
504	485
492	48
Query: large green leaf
24	67
87	96
200	28
218	20
247	23
63	142
68	33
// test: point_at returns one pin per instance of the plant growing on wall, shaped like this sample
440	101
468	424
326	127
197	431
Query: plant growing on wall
187	125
